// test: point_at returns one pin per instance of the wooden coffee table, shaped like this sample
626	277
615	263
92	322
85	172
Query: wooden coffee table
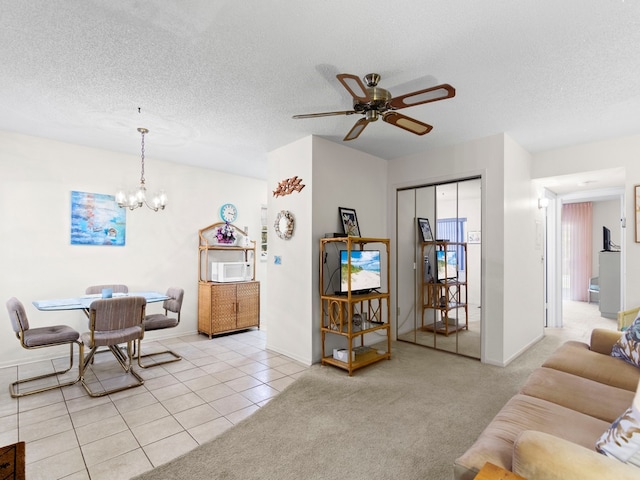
492	472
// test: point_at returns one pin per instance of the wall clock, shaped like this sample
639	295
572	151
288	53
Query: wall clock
228	212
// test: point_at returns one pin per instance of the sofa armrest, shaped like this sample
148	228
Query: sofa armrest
602	340
540	456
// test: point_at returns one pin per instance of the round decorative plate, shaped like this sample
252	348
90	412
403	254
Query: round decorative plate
228	212
284	224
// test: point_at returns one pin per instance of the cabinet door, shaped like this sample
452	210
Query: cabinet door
223	307
248	298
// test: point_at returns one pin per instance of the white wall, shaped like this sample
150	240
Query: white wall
344	177
289	302
620	152
523	254
38	262
507	328
335	176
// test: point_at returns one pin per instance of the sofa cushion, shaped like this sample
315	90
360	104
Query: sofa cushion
539	456
577	393
522	412
628	345
576	358
622	438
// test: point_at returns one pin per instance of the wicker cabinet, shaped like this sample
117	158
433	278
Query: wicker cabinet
227	303
226	307
358	318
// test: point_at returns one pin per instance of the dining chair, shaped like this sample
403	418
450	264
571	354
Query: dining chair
31	338
93	289
158	321
114	321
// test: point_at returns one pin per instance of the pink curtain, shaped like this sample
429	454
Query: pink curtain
576	249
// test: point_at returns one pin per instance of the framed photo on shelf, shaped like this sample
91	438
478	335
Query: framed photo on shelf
425	230
349	221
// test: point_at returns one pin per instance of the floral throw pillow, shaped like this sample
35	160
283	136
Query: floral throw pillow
622	438
628	345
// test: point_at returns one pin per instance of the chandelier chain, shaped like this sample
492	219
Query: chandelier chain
142	159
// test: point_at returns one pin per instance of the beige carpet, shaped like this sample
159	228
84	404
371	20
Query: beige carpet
408	418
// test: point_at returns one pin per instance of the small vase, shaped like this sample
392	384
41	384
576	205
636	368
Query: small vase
227	242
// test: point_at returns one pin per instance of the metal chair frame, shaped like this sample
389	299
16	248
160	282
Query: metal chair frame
125	360
175	358
20	336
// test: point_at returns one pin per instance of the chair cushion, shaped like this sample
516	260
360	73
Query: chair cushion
159	321
37	337
114	337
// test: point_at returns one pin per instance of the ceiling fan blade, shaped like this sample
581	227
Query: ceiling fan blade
354	86
433	94
407	123
356	130
325	114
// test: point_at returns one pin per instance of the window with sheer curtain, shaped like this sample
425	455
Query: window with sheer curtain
453	230
576	250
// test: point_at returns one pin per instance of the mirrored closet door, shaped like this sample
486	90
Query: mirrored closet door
438	266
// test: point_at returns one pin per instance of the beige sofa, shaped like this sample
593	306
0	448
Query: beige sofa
548	430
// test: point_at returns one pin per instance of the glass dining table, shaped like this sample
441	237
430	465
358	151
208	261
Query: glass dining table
83	302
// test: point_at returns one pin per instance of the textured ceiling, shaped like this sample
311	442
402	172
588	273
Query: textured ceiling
216	82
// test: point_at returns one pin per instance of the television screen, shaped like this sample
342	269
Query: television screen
606	239
365	271
448	270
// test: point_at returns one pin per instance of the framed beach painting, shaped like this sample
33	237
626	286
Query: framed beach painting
96	219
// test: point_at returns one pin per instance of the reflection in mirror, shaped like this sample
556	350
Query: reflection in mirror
406	297
443	308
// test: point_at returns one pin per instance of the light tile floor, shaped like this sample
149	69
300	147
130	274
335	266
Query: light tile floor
181	405
218	383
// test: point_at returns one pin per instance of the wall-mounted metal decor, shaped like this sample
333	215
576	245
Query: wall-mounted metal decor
287	186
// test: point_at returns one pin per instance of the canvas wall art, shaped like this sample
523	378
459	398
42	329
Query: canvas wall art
96	219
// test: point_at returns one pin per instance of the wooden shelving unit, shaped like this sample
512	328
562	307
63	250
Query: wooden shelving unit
226	306
444	294
338	310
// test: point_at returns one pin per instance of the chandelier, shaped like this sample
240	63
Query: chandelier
137	198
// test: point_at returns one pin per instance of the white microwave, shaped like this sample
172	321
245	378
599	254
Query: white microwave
231	271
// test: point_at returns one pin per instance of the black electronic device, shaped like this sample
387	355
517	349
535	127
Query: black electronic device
606	239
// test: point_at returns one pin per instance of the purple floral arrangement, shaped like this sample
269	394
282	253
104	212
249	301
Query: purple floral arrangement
226	234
